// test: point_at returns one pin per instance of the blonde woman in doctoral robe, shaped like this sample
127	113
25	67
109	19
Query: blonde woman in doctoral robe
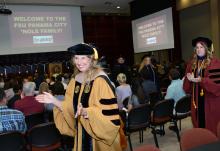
89	111
202	81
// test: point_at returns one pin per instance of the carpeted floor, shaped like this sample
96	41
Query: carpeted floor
168	142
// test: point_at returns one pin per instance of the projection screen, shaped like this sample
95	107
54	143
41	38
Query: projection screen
33	29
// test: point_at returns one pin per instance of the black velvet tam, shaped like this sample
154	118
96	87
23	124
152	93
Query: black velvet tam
81	49
205	40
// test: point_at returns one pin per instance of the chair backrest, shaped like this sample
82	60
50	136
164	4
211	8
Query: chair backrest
48	116
154	98
183	105
34	119
163	109
139	117
12	141
125	102
195	137
43	135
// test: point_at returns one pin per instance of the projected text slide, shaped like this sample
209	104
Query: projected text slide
40	29
152	32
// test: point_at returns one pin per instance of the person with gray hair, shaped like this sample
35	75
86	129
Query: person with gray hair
28	104
28	88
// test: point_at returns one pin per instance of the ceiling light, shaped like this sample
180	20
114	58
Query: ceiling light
118	7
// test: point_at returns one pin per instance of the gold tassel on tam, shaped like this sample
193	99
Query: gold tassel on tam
96	56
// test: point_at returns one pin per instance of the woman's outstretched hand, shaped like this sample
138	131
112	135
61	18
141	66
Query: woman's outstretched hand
48	98
45	98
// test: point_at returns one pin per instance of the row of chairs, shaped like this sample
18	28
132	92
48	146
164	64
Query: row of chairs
146	116
41	137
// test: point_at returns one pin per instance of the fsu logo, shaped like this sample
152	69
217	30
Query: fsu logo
77	89
87	88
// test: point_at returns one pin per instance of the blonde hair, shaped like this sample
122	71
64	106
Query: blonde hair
207	60
121	78
44	87
93	70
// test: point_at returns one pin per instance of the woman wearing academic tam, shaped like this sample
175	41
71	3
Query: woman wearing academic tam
202	81
89	111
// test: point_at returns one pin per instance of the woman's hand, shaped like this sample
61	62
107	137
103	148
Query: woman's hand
196	80
45	98
190	77
48	98
81	112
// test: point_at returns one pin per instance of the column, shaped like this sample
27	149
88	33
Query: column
215	25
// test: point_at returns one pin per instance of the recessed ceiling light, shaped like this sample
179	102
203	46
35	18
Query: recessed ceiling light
118	7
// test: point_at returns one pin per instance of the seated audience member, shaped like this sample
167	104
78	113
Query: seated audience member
27	78
59	79
44	87
38	79
17	96
28	104
137	97
52	82
123	90
175	89
65	80
47	79
58	92
9	92
11	120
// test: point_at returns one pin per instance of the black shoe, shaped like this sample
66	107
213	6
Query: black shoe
173	128
159	131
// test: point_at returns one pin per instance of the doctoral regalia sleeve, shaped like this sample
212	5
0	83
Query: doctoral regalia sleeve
103	115
211	82
187	86
64	120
